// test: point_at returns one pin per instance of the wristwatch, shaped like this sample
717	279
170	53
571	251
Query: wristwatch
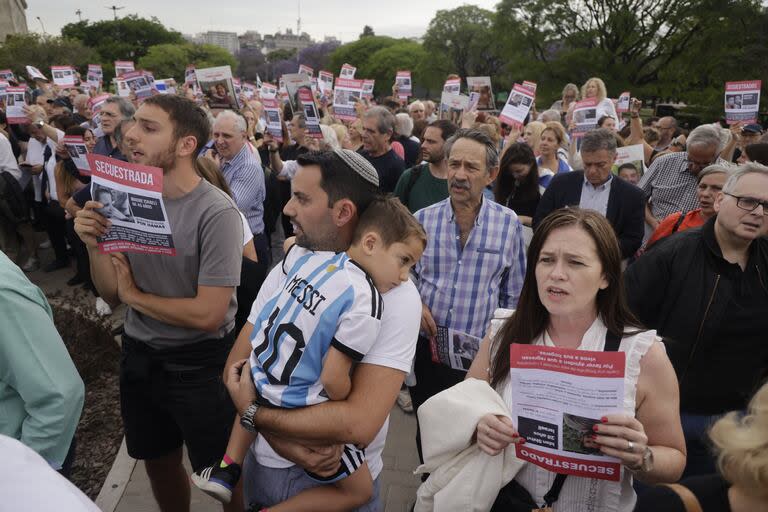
246	419
39	123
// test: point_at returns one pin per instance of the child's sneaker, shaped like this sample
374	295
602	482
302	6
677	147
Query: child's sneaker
218	482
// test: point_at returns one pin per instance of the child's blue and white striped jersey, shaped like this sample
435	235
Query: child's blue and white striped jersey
327	300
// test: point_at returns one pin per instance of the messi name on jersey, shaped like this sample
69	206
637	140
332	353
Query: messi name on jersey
305	294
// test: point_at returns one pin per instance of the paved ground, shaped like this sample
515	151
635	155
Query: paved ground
400	457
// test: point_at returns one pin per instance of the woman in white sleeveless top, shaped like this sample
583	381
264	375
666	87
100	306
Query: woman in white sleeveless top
572	296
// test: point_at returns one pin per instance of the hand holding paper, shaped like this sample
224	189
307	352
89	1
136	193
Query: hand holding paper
617	434
495	433
90	224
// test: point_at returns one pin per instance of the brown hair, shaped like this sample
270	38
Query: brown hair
188	119
556	128
531	317
388	217
209	171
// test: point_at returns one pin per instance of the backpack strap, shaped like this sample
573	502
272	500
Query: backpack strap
678	222
612	342
690	501
412	179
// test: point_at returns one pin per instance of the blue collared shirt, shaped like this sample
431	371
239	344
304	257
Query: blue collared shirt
596	197
246	181
463	286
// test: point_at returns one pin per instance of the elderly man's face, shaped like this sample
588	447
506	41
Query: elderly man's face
228	138
417	112
468	174
373	141
700	156
597	165
733	213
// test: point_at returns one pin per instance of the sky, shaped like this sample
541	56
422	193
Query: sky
343	19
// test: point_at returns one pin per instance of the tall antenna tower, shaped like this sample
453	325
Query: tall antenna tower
298	22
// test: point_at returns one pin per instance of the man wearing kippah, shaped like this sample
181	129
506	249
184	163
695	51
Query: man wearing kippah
330	191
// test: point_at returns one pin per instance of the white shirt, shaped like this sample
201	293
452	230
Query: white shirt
7	160
35	156
29	484
394	348
596	197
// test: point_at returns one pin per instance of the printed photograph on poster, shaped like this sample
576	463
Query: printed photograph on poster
452	85
140	83
453	106
454	348
63	76
310	113
249	90
584	116
482	86
368	86
403	84
77	152
15	98
346	94
742	101
189	75
94	77
96	102
518	106
630	155
306	70
474	99
123	66
557	396
7	75
35	74
622	104
132	199
295	82
272	118
217	87
325	84
531	86
268	91
348	71
165	85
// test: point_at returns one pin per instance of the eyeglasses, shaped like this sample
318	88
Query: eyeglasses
749	203
697	165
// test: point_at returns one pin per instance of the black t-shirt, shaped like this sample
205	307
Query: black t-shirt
389	167
710	490
411	149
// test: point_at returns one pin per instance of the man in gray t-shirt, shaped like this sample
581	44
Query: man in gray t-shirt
179	326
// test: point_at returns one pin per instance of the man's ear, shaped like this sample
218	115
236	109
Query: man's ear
186	146
344	211
493	174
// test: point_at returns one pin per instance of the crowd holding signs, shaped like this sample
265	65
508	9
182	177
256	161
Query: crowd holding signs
501	214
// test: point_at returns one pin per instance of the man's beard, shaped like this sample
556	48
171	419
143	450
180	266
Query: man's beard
165	160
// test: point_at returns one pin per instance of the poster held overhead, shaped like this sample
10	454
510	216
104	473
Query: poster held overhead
309	109
15	99
403	84
346	94
482	86
517	106
78	152
452	106
63	76
123	66
742	101
6	75
272	118
325	84
368	86
217	86
132	196
622	104
95	77
348	71
584	117
35	74
268	91
306	70
294	82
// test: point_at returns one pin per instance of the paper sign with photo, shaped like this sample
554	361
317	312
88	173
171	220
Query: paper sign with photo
348	71
138	82
189	75
452	85
268	91
95	103
452	106
482	86
165	85
454	348
325	83
517	106
557	396
474	100
633	155
15	99
132	196
742	101
95	76
78	152
531	86
217	86
6	75
250	90
403	84
123	66
368	86
304	69
584	117
622	104
311	115
35	74
272	118
294	82
63	76
346	94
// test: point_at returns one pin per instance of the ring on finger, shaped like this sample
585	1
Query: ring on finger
630	446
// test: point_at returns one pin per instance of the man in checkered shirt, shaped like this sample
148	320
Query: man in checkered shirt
670	183
474	262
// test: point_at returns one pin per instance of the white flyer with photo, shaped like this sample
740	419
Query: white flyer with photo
95	76
138	82
403	84
633	154
35	74
15	99
78	152
218	87
481	85
295	82
452	85
531	86
518	105
310	113
348	71
123	66
272	118
63	76
453	106
742	101
346	94
325	83
454	348
268	91
622	104
6	75
304	69
557	396
368	85
132	199
584	117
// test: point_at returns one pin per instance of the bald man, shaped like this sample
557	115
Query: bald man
667	127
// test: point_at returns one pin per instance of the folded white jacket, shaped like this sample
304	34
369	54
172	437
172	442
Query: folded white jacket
462	477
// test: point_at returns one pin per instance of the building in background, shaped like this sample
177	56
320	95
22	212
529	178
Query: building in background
286	41
226	40
13	18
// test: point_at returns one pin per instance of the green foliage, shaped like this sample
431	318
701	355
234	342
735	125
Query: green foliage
170	60
127	38
43	52
282	54
385	63
358	53
367	32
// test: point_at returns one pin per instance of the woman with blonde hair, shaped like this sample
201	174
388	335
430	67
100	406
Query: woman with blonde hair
741	444
595	88
551	160
532	135
354	138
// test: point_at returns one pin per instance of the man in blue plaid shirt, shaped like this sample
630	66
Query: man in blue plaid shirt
474	263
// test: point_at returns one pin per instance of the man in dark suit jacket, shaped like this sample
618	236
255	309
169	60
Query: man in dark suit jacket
598	189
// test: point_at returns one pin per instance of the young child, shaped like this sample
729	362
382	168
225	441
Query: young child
307	336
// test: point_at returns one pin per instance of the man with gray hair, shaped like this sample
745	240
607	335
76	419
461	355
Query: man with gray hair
417	110
378	127
705	291
596	188
670	183
243	173
474	263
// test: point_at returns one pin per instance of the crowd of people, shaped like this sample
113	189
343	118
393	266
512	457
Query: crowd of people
399	227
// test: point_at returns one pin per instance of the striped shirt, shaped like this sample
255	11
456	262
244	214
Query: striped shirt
463	286
246	180
670	186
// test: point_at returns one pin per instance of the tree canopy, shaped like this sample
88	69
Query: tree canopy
21	50
170	60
